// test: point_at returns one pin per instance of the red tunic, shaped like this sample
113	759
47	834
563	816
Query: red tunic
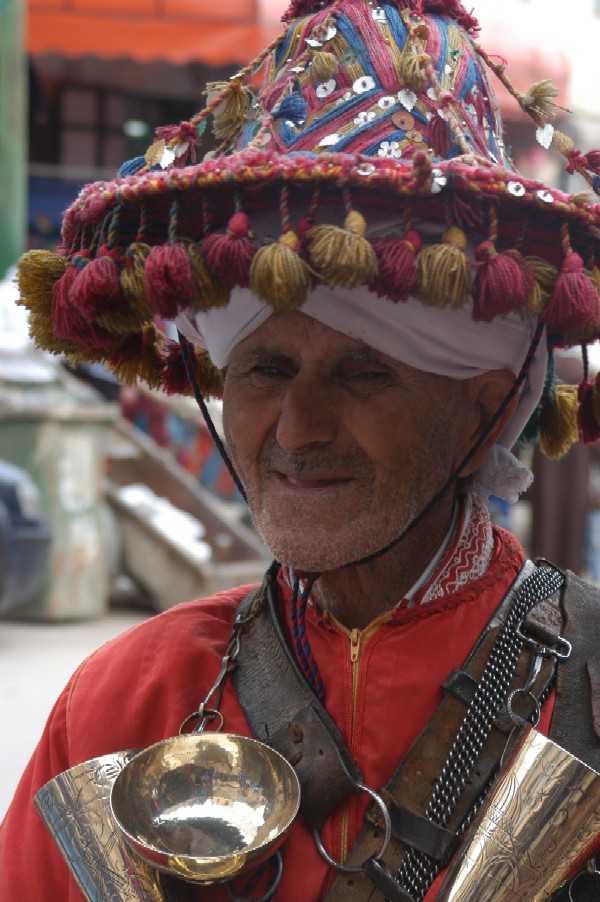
382	685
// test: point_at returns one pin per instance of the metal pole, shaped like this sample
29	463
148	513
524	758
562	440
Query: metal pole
13	132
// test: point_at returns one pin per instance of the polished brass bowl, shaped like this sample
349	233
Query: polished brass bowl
205	806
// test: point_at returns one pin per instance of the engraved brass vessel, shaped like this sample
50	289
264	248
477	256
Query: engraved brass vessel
201	808
537	827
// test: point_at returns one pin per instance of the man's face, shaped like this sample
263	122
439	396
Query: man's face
338	446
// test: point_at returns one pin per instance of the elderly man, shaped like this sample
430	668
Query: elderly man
376	293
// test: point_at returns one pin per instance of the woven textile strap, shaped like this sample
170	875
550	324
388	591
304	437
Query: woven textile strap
457	753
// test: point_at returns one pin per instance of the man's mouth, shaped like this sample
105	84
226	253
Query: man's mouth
310	482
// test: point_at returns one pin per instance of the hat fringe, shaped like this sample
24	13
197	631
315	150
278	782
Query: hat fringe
169	279
558	421
133	276
503	281
573	304
545	276
279	275
444	271
397	264
138	358
96	288
587	422
37	271
342	256
174	374
229	254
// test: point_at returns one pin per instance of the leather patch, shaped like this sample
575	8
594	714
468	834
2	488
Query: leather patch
593	669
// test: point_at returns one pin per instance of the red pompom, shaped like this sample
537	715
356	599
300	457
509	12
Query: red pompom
503	282
68	322
170	283
96	290
397	276
573	305
229	254
589	428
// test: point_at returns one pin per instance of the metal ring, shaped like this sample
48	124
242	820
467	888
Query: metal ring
387	835
586	873
268	895
516	718
202	716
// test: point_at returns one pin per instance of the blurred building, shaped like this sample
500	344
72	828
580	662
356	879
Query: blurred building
104	73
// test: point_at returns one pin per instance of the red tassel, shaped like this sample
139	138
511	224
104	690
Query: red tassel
68	322
573	304
96	290
175	380
589	428
397	276
229	254
503	282
65	319
438	136
170	283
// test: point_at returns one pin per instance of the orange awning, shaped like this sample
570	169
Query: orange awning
223	32
215	32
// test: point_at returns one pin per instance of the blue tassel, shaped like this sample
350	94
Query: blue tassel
292	107
130	167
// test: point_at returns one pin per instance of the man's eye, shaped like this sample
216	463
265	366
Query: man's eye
268	371
368	375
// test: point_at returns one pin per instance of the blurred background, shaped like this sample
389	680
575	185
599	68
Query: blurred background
114	504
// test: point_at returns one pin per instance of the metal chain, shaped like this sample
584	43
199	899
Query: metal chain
418	870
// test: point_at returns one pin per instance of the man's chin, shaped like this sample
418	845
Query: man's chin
316	556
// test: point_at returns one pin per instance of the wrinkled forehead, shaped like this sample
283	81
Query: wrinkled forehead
446	342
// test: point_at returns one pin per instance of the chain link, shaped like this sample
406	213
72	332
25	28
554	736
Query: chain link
418	871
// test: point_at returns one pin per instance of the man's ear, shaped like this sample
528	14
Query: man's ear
485	395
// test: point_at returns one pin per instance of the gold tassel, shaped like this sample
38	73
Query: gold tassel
37	271
444	271
558	422
343	256
211	292
132	276
412	71
42	334
563	143
232	111
138	358
545	277
322	66
539	99
279	275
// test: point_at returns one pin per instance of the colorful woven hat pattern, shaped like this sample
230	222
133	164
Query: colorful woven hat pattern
356	106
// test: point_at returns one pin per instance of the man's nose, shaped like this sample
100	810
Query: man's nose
307	415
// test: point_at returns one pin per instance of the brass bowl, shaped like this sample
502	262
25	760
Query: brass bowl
205	806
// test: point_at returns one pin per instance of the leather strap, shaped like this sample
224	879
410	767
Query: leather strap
283	711
576	716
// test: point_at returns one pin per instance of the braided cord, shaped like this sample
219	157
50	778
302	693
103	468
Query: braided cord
418	871
302	646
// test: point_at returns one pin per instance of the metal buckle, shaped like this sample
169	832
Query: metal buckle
561	651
